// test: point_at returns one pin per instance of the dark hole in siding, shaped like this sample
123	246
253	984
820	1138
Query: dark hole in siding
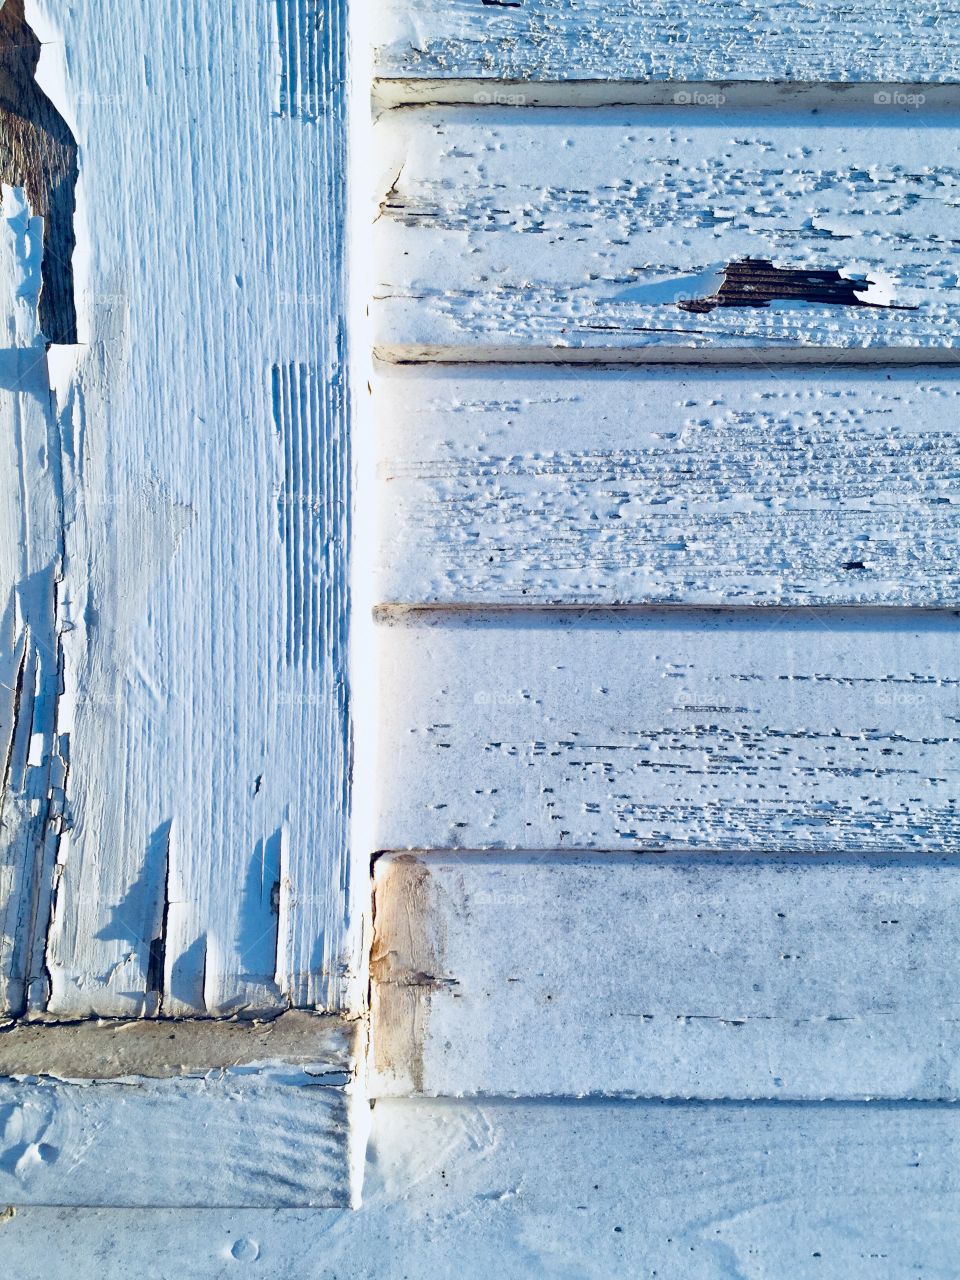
756	282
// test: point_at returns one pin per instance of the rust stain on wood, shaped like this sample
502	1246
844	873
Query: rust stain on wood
405	967
756	282
39	153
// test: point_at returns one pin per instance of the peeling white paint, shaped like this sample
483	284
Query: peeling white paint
530	42
529	234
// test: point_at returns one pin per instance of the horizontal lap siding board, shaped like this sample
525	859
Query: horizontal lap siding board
581	233
561	486
625	40
31	525
658	976
200	636
821	731
147	1115
269	1137
789	1191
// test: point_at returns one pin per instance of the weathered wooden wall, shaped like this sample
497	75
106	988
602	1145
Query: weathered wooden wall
695	841
669	629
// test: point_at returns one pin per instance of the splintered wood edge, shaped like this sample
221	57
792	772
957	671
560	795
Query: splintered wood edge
405	968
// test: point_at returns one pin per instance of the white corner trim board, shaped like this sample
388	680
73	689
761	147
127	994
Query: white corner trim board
531	41
821	731
197	1114
657	233
538	975
516	485
174	626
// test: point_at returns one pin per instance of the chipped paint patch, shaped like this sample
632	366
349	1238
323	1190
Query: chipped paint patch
756	282
406	964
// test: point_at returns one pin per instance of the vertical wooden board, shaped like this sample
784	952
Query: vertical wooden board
530	41
671	485
665	977
829	731
202	618
672	232
31	532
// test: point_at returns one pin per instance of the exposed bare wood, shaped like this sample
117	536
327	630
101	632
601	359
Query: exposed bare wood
532	235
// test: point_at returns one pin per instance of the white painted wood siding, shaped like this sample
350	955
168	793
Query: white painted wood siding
725	977
822	732
670	726
531	234
683	486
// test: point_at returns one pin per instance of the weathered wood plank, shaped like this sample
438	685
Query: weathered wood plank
557	234
665	977
217	1115
763	1192
198	647
826	731
509	486
32	758
638	40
